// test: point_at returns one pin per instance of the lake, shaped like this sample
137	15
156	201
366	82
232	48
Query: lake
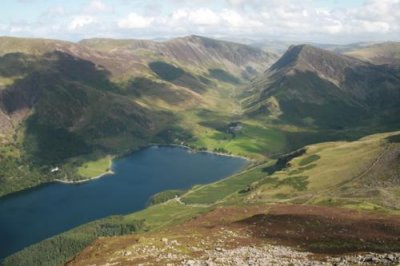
36	214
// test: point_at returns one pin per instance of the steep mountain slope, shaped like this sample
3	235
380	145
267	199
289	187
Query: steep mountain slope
191	51
381	53
62	103
311	86
61	110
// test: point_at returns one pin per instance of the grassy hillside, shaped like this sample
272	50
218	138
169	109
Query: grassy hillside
65	111
360	175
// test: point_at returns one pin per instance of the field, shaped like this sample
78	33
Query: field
252	141
218	191
95	168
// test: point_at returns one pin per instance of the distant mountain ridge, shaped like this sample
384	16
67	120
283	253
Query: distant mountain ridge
319	87
380	53
191	50
125	58
130	57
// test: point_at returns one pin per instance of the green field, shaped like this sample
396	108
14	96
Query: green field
218	191
95	168
254	141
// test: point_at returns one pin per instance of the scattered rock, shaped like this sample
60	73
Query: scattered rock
174	243
127	253
219	249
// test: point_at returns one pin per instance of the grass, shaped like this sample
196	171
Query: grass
161	215
337	174
394	139
95	168
164	196
309	159
211	193
297	182
254	140
223	76
6	81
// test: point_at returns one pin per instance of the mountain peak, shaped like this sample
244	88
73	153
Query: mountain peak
306	57
297	53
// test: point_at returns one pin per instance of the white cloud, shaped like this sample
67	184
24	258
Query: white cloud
204	19
236	2
135	21
237	20
306	20
197	16
96	6
203	16
80	21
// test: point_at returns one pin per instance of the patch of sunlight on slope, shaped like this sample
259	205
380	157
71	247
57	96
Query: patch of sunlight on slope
332	164
95	168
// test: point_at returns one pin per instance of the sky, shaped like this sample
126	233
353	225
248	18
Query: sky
323	21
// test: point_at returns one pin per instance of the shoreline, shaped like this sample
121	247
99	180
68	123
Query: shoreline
111	172
72	182
202	151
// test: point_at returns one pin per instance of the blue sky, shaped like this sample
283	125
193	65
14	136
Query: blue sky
329	21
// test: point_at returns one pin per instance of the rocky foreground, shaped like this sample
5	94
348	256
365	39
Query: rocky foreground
279	255
170	254
281	235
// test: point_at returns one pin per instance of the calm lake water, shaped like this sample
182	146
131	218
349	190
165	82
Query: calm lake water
34	215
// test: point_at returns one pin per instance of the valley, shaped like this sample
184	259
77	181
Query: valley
320	128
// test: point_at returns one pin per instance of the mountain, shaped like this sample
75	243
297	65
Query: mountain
186	62
193	50
280	47
381	53
33	46
62	110
315	87
63	104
